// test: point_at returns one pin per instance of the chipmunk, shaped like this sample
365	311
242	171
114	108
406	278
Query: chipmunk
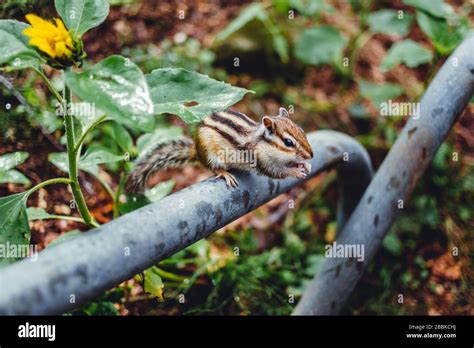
225	140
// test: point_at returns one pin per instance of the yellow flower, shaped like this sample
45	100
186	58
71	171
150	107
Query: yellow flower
54	40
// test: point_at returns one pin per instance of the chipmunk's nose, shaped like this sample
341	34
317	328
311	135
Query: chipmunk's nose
308	155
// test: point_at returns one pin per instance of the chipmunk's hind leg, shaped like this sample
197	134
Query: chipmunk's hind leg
229	178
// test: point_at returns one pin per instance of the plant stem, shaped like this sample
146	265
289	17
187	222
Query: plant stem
50	85
106	186
49	182
64	217
72	159
117	195
88	130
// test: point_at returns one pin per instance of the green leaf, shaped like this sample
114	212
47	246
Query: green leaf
14	228
88	162
13	176
154	194
95	156
133	202
445	38
190	95
320	45
14	47
148	141
153	284
407	52
121	136
11	160
118	87
256	13
81	15
160	190
379	93
60	160
35	213
436	8
392	243
64	237
311	7
389	22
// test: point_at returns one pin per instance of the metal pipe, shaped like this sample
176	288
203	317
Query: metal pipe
443	102
76	271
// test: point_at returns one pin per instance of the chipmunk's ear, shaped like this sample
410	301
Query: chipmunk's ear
284	113
268	123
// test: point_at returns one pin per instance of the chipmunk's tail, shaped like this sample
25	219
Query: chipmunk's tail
172	154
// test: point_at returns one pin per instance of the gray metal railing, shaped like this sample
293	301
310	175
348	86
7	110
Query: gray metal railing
74	272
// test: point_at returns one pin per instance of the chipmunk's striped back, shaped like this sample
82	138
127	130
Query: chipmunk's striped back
224	130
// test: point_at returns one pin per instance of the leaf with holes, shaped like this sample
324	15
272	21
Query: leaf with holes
14	228
81	15
406	52
190	95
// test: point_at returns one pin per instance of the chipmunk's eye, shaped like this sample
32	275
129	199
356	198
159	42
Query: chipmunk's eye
288	142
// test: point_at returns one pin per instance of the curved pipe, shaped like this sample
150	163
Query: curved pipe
76	271
443	102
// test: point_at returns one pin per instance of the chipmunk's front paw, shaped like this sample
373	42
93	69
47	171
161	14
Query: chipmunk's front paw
299	170
230	180
305	166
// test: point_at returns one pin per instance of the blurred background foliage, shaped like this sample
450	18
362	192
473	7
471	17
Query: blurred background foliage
332	63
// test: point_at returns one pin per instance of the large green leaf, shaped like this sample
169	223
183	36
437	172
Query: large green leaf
14	47
82	15
436	8
320	45
379	93
190	95
257	13
389	22
14	228
407	52
444	37
118	87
